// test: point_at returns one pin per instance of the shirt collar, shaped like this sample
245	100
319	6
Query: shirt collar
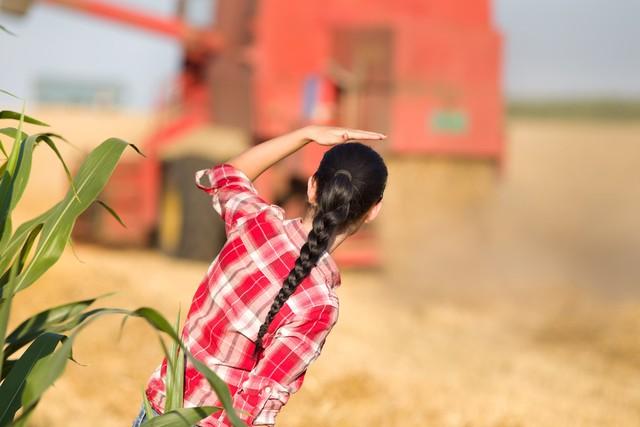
326	264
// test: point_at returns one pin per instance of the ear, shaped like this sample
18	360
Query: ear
311	190
373	212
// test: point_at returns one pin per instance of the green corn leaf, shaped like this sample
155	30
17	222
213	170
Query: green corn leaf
183	417
5	234
48	369
4	30
170	402
147	406
14	182
7	92
3	150
45	367
135	147
62	327
24	253
57	136
15	134
7	366
11	132
44	374
178	378
20	174
53	315
17	137
22	233
219	386
47	320
7	181
6	299
89	182
6	187
12	388
47	138
170	364
175	374
155	319
112	212
59	328
26	248
221	389
12	115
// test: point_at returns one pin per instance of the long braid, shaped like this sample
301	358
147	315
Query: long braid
332	213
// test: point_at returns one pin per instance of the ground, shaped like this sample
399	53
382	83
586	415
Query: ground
527	316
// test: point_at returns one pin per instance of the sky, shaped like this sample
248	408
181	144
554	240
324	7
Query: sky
58	43
570	47
553	48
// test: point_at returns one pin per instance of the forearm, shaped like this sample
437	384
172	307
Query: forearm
261	157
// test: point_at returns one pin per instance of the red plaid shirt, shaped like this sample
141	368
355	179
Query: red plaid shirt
233	299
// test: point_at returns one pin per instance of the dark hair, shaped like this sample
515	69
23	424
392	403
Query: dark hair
350	179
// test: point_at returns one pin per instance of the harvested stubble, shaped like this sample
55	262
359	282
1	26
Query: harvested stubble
518	311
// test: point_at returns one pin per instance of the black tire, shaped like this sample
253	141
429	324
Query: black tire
188	226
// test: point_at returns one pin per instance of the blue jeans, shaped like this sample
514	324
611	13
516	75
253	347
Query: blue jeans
142	417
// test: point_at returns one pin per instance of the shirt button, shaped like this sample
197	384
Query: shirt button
267	390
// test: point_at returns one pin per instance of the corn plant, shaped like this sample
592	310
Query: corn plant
35	353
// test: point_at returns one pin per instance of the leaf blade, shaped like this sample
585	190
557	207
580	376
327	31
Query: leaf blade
12	388
5	310
12	115
5	30
182	417
50	319
112	212
89	182
217	384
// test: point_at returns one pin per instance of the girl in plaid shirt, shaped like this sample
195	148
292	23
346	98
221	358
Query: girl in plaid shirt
263	310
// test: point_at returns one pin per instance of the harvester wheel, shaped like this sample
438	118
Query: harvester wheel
188	225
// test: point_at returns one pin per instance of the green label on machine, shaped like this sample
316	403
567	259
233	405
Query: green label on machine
449	121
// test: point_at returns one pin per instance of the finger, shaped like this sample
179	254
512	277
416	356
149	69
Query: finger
364	134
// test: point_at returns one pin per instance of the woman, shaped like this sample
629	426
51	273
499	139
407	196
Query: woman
262	312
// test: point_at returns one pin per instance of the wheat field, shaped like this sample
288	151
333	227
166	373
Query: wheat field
514	301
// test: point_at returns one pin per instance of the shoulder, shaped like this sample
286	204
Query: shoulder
314	299
267	220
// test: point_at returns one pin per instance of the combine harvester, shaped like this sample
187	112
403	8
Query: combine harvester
425	72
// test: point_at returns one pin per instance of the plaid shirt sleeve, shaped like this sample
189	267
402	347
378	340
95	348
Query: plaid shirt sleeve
234	196
294	346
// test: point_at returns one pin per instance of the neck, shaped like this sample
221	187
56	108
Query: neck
307	225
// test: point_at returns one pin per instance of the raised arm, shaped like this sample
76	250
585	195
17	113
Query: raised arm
261	157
